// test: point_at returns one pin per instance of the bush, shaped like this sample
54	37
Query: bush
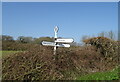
38	64
107	47
16	46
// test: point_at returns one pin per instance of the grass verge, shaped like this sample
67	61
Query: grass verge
110	75
7	53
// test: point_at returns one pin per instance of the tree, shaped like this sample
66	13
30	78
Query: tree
118	36
111	35
0	37
23	39
39	40
20	39
102	34
84	37
7	38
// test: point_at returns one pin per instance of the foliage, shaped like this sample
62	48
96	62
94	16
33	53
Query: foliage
0	45
6	38
16	46
23	39
39	40
38	64
107	47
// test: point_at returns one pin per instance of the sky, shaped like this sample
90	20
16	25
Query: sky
74	19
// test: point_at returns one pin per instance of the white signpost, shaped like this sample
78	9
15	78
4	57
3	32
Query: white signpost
58	42
63	45
45	43
64	40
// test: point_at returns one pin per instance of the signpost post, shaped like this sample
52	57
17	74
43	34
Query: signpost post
58	42
55	47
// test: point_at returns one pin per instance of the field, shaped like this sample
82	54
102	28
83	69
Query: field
8	53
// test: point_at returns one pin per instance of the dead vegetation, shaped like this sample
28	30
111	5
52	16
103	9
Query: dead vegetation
38	62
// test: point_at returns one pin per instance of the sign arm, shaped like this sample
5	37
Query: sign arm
57	42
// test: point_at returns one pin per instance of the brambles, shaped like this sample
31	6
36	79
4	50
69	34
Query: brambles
38	64
107	47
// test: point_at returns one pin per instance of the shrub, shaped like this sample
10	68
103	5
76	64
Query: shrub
37	64
107	47
16	46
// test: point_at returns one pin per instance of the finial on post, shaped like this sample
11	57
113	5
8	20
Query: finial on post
55	30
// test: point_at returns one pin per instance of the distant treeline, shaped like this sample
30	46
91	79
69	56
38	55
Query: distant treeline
23	39
9	43
110	34
23	43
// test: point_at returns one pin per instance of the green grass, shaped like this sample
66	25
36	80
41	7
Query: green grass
7	53
110	75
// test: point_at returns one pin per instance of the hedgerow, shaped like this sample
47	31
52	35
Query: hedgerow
17	46
107	47
38	62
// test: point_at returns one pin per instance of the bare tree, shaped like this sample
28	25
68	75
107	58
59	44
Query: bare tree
111	35
7	38
102	34
85	37
25	39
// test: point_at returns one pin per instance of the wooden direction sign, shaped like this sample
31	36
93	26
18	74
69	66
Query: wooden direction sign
64	40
